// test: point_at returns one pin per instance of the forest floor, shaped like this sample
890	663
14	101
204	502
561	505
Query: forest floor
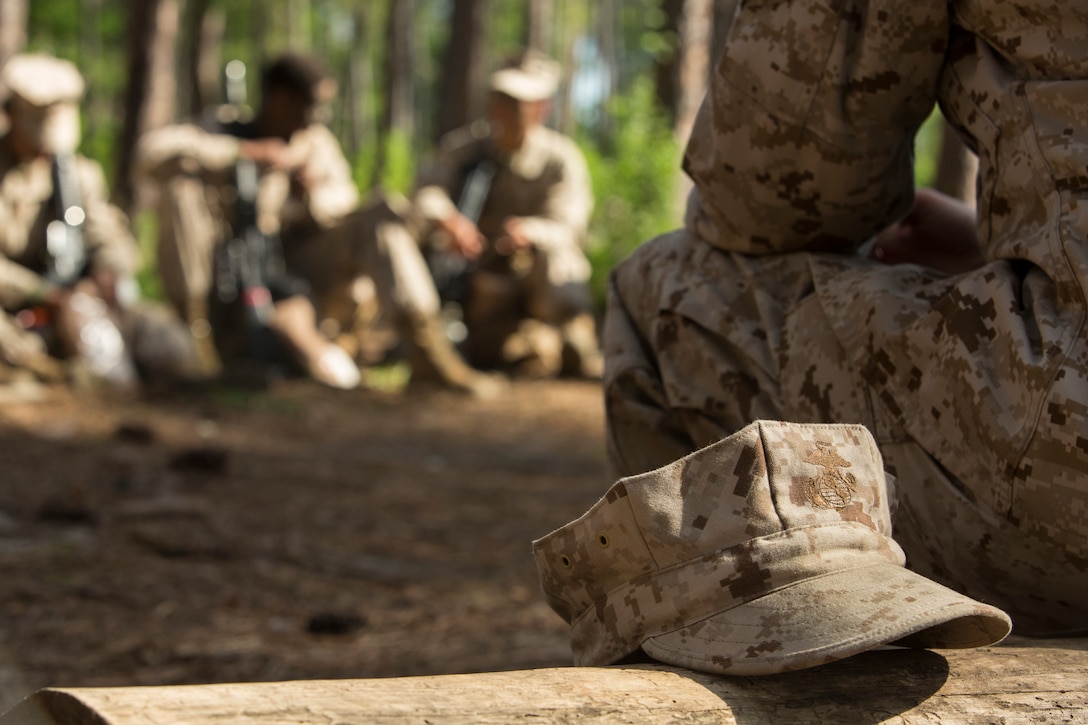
296	533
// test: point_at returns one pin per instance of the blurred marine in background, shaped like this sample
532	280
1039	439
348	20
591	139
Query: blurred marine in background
68	297
321	241
512	199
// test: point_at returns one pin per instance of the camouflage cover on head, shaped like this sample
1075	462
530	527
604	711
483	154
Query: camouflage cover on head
42	80
531	76
42	95
768	551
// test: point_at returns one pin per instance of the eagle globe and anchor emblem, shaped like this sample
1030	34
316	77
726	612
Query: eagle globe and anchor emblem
833	488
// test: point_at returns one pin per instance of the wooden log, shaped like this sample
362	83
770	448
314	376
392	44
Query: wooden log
1019	681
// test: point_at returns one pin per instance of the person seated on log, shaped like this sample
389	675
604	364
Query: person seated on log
511	200
317	241
960	341
68	297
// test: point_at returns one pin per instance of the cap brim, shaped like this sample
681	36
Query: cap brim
523	86
828	618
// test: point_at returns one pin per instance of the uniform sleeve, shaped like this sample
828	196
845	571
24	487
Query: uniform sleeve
333	194
432	198
107	233
564	219
186	150
17	283
805	138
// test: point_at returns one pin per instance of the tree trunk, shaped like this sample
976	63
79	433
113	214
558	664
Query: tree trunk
573	27
539	25
203	61
667	69
696	36
694	66
358	81
607	17
464	72
13	17
152	86
398	112
1018	681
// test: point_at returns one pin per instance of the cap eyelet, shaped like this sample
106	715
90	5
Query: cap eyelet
603	541
565	561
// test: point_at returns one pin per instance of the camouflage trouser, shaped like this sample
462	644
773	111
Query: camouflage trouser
699	342
371	242
516	296
154	337
973	384
17	344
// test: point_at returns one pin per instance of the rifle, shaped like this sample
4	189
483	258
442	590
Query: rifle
86	325
451	271
66	254
242	262
241	268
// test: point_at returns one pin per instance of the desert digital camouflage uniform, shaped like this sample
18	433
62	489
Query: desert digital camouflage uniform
974	385
545	182
328	240
41	102
26	209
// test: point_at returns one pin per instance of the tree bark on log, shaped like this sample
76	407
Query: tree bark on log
1021	680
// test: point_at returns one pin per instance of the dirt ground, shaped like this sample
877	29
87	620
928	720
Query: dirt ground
297	533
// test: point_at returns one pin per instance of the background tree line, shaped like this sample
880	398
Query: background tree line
408	71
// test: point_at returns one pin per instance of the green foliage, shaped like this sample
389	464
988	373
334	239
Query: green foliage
91	35
927	149
146	228
399	171
634	182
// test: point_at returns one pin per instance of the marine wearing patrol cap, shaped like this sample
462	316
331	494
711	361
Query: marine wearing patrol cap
530	76
41	99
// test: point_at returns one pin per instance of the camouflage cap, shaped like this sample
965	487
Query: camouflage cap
530	76
42	80
42	94
768	551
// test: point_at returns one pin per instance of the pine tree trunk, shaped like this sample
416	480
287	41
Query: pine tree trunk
464	70
667	69
399	87
539	25
13	17
152	85
696	37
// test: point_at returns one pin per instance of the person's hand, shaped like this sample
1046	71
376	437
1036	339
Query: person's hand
103	284
513	238
464	236
940	232
270	154
303	178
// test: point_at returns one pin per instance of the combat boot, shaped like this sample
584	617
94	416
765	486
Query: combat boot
534	351
582	356
433	359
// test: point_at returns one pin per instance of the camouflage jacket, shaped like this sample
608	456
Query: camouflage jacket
27	208
546	182
987	370
191	151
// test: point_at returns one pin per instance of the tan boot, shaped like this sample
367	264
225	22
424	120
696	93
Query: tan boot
581	349
534	351
433	359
